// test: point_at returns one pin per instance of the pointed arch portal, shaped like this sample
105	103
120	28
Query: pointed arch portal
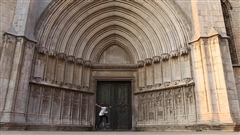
84	42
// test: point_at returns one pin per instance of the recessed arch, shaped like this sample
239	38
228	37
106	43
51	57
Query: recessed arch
75	27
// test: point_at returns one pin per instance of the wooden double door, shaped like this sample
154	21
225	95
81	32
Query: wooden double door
116	94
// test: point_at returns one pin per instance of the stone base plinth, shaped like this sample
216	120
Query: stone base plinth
19	127
197	127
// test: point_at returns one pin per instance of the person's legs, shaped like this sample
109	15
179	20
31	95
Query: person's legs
106	117
101	118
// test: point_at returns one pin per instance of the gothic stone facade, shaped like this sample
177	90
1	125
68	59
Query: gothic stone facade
182	58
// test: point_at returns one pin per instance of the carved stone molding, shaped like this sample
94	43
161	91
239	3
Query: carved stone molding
149	87
165	56
60	83
166	84
148	61
157	85
30	45
175	82
37	79
184	51
61	56
114	66
174	54
70	58
140	63
69	85
141	88
52	53
85	88
41	50
79	61
156	59
9	39
87	63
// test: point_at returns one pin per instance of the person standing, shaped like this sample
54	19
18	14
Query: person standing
102	114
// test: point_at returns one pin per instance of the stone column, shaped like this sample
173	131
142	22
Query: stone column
166	72
86	74
40	64
213	73
175	67
141	75
185	65
69	71
157	71
149	73
78	72
60	67
51	62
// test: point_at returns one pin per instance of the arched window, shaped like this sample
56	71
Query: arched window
226	7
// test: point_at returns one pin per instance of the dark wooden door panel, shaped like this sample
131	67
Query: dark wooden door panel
117	95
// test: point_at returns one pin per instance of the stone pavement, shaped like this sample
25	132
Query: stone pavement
115	133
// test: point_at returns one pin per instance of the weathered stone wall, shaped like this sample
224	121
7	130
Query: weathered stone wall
235	13
7	12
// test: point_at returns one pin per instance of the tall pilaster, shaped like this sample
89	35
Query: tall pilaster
212	67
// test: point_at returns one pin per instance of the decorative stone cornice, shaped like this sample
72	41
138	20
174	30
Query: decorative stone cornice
148	61
41	50
97	66
52	53
165	56
174	54
87	63
140	63
61	56
79	61
156	59
70	58
184	51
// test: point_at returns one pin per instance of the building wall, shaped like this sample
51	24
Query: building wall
184	86
7	12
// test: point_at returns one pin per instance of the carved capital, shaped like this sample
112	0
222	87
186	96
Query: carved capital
41	50
85	88
9	39
87	63
79	61
165	56
61	56
140	63
148	61
156	59
52	53
184	51
166	84
174	54
30	45
70	58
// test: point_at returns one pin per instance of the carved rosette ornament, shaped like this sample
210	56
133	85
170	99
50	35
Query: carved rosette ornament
165	56
184	51
79	61
70	58
174	54
61	56
52	53
140	63
156	59
148	61
41	50
87	63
